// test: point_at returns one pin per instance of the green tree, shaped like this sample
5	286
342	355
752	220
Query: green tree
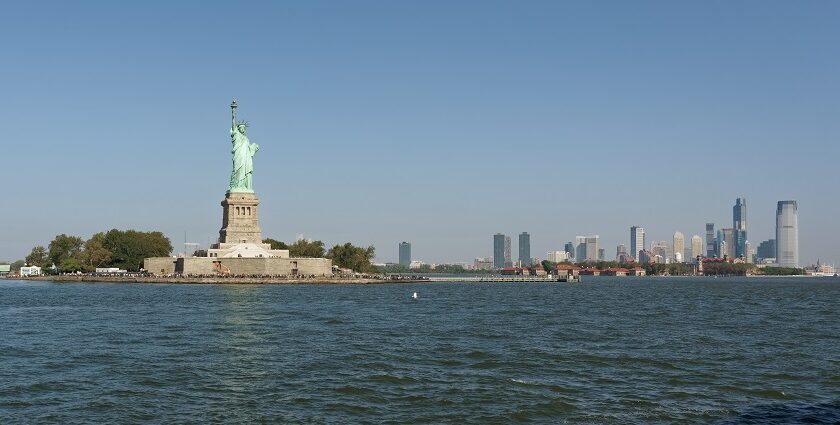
128	248
17	265
95	254
782	271
275	244
724	268
70	265
38	257
304	249
548	266
353	257
450	269
64	247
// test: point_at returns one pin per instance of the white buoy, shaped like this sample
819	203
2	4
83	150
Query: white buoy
414	296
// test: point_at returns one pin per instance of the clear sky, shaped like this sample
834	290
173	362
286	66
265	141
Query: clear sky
436	122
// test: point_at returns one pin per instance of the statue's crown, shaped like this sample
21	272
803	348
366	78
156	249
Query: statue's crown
243	122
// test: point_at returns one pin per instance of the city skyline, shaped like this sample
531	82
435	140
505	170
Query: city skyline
726	241
362	106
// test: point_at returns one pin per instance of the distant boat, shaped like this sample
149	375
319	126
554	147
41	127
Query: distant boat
414	296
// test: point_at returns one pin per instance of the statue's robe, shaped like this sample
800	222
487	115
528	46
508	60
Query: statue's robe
243	165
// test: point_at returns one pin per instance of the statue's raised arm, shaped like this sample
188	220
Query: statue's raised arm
233	115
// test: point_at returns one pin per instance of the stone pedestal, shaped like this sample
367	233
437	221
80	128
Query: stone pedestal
239	219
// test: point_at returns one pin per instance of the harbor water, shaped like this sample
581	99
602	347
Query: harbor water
608	350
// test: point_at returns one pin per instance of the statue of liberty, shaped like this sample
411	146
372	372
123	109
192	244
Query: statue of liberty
243	155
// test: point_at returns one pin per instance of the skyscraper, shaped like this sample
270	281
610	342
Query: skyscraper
405	254
580	248
766	249
621	254
587	248
508	259
592	248
570	249
739	226
696	246
679	246
711	243
787	234
728	235
748	252
662	249
557	256
499	251
525	249
637	241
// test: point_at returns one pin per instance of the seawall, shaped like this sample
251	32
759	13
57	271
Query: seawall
216	280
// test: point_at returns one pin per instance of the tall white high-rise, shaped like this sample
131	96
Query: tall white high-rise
637	241
586	248
787	234
556	256
580	248
592	248
679	246
662	249
696	246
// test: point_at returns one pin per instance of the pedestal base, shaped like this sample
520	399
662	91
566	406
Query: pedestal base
239	219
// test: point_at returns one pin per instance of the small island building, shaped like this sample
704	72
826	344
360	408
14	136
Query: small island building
614	271
27	271
567	271
636	271
590	271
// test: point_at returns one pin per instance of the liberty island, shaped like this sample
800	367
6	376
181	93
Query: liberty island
240	250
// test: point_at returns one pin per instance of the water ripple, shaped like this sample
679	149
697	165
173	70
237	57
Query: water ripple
605	351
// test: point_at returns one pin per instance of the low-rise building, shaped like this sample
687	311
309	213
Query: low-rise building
567	271
5	269
110	270
614	271
636	271
482	263
590	271
514	271
538	271
30	271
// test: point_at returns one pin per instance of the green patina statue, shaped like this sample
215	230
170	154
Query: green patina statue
243	155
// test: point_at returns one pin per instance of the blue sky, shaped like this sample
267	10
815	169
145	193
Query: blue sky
440	123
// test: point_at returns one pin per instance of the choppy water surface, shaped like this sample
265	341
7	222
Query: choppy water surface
625	350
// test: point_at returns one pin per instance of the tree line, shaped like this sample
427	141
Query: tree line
346	256
124	249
